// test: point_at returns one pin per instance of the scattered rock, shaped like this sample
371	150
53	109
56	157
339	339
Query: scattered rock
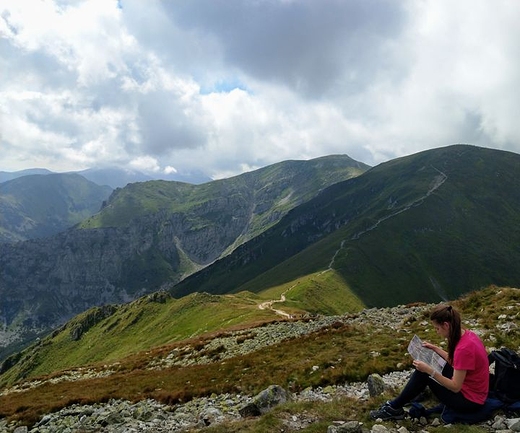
436	422
514	424
265	401
347	427
248	410
376	385
499	423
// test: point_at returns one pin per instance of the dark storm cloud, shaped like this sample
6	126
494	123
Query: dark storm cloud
165	126
312	46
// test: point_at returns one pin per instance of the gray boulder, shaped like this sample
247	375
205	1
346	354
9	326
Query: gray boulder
265	401
376	385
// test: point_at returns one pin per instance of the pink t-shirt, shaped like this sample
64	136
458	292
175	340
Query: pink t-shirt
470	355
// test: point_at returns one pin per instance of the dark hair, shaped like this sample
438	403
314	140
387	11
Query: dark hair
446	313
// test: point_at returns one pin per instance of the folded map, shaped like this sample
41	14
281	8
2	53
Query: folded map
421	353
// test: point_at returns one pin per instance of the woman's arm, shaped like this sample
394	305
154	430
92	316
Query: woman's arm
454	384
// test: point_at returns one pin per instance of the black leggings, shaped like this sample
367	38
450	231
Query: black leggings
418	383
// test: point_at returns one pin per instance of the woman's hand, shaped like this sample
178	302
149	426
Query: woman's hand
423	367
441	352
429	345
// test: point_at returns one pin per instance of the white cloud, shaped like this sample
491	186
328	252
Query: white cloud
145	163
227	86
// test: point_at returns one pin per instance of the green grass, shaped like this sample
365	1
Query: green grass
320	293
138	326
159	319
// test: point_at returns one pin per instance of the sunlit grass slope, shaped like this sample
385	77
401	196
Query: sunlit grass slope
146	323
319	293
106	334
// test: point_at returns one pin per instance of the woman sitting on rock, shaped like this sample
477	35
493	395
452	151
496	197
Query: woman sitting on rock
464	383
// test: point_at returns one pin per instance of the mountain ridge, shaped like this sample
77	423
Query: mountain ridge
388	193
149	235
115	177
41	205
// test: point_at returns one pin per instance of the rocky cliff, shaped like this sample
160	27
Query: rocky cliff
148	236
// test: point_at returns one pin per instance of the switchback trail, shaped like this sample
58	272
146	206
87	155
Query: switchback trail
437	182
269	304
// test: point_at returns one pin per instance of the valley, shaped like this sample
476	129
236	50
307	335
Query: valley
175	292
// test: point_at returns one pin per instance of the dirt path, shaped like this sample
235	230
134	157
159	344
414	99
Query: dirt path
268	305
437	182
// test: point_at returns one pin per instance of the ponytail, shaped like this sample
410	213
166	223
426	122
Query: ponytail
447	314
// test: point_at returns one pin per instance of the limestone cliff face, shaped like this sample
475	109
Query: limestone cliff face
45	282
81	268
60	276
149	236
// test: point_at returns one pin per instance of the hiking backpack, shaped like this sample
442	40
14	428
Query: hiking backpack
504	384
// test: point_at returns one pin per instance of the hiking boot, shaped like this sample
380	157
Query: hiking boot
387	412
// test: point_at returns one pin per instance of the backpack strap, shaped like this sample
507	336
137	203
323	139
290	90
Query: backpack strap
503	356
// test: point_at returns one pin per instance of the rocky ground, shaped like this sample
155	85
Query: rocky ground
150	416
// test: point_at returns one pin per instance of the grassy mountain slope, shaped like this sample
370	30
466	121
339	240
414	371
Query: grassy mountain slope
425	227
148	236
264	195
109	333
341	352
35	206
106	334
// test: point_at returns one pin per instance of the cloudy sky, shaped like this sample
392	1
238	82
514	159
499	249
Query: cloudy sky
226	86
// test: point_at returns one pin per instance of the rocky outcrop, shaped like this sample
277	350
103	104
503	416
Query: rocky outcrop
89	319
265	401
